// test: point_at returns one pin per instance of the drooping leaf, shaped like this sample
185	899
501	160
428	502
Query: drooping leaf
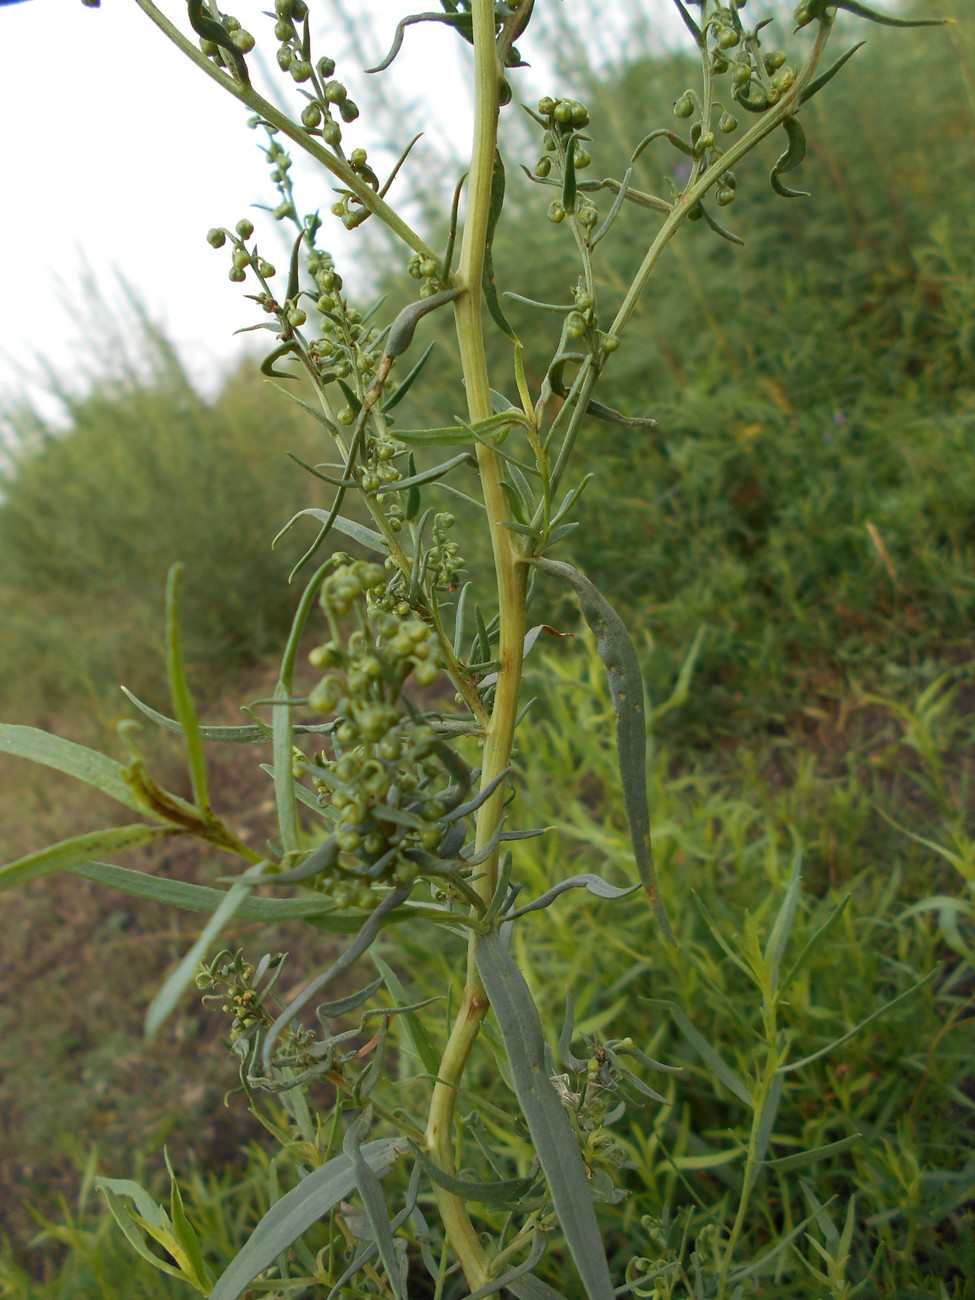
366	537
617	652
552	1134
788	161
591	883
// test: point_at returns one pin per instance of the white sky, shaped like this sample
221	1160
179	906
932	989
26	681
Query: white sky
121	154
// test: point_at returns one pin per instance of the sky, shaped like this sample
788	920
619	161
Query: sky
121	155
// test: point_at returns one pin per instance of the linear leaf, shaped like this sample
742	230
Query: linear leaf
255	734
706	1051
875	1015
78	850
413	1029
297	1210
782	925
591	883
178	980
616	650
550	1127
809	1157
370	1190
65	756
366	537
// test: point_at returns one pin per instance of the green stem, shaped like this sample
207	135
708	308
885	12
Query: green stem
511	572
368	197
752	1159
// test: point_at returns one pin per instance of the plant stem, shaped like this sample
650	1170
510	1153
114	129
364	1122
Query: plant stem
511	572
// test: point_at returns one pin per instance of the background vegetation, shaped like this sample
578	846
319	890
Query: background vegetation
807	498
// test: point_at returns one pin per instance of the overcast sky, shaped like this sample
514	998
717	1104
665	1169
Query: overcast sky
120	155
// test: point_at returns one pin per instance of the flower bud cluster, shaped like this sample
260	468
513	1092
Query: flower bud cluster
428	270
383	777
326	96
239	36
242	258
562	120
445	564
235	983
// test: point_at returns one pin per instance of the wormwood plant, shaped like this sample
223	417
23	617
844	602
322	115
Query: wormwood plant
394	796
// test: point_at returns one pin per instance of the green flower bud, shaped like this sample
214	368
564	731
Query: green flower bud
346	415
728	38
728	123
348	110
216	237
724	196
296	317
266	269
300	69
237	274
335	92
426	673
580	114
684	107
575	325
543	166
283	8
285	57
741	74
283	30
332	132
311	115
774	60
581	158
562	112
546	105
243	40
556	212
326	67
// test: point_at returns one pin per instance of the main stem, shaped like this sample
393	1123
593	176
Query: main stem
511	572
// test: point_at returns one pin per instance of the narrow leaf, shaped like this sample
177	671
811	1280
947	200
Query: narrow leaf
413	1029
489	287
298	1209
371	1191
179	980
78	850
789	160
875	1015
366	537
809	1157
550	1127
84	764
782	926
618	654
706	1052
201	898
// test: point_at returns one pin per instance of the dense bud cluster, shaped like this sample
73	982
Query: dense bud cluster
563	120
388	778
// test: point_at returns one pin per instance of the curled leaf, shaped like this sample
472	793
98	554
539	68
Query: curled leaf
790	160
